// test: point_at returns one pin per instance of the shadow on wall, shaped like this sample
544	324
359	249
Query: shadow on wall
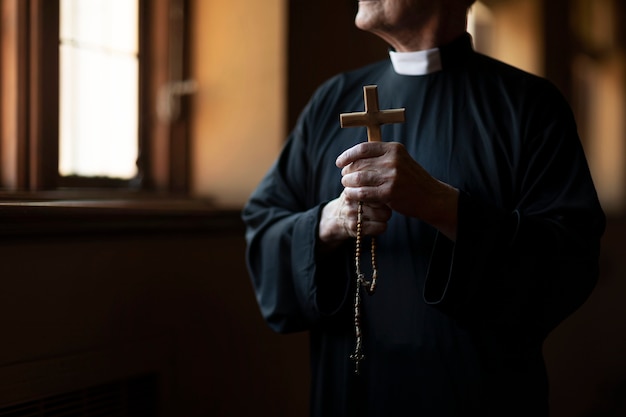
585	355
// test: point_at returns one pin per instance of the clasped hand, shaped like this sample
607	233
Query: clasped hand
385	178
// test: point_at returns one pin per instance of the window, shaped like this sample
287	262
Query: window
79	96
99	88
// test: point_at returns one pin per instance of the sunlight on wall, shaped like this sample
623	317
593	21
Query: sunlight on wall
510	32
601	86
238	114
599	70
480	26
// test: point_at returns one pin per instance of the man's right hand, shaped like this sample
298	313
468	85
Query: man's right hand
339	220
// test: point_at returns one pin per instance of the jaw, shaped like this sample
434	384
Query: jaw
383	19
412	25
370	14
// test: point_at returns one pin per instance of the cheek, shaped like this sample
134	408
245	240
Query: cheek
407	13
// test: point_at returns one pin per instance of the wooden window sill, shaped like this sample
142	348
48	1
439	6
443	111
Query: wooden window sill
46	215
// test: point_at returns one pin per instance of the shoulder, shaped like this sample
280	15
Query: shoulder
513	80
335	87
530	97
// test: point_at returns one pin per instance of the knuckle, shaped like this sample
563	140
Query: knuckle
396	147
362	194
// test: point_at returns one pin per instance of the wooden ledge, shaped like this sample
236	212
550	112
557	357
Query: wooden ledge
144	215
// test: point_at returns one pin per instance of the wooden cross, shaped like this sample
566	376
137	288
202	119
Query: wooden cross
372	117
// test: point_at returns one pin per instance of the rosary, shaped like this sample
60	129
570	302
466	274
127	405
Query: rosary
372	118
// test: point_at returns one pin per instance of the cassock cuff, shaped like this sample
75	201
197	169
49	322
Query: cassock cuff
332	276
320	280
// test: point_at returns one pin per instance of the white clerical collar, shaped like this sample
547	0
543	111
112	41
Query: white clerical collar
416	63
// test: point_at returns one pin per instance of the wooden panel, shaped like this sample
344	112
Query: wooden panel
14	87
65	295
558	45
164	143
44	94
324	41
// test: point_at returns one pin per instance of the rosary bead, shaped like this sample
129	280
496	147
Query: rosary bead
370	287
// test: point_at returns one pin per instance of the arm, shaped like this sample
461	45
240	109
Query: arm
297	281
289	274
537	263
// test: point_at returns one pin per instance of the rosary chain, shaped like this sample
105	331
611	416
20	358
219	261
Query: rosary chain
370	287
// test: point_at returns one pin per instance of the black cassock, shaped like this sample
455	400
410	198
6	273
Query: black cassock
454	329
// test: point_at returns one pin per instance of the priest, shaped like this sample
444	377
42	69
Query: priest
483	219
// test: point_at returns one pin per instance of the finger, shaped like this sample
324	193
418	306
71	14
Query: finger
366	194
375	216
368	227
347	215
371	228
379	213
360	151
361	179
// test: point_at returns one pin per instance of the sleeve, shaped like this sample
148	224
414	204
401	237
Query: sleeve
295	285
533	265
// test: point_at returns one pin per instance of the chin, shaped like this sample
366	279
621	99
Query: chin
367	16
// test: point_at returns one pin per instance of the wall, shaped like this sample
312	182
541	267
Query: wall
518	33
238	114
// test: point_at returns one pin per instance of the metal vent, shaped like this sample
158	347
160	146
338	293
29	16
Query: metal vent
133	397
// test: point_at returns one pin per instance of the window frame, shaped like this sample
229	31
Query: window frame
29	112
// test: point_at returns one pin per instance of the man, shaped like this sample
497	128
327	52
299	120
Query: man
486	220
